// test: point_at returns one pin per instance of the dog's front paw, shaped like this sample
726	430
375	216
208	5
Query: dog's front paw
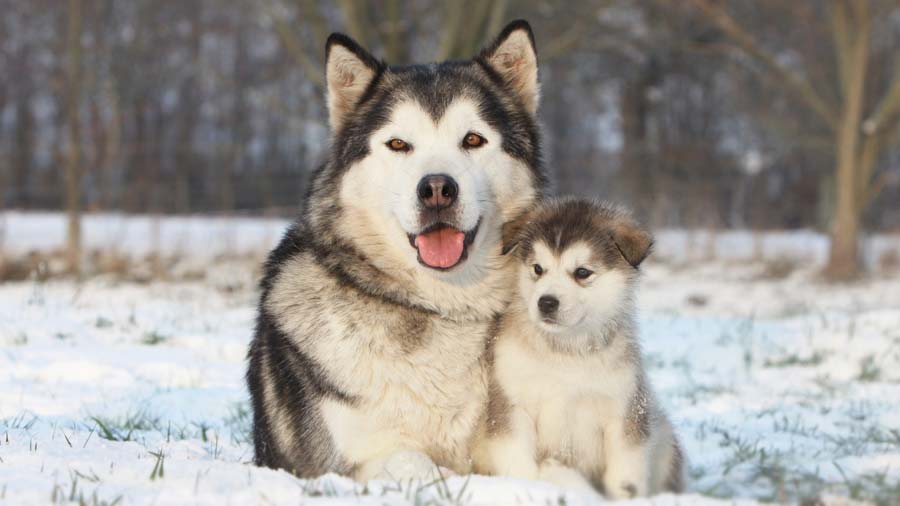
409	465
625	489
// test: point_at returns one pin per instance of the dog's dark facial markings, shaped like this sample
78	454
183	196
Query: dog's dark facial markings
611	233
363	92
500	81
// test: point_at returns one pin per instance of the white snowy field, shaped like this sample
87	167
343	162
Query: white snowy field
782	388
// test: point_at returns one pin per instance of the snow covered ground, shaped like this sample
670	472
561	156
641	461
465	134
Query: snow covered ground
203	236
114	392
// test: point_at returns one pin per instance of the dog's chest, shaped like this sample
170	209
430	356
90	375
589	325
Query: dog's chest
415	380
427	394
388	347
571	400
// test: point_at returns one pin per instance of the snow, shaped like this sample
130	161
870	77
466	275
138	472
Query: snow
21	232
207	237
780	387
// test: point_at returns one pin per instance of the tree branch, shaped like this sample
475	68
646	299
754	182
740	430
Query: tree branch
872	147
312	14
294	47
453	22
792	81
497	16
888	107
355	19
841	42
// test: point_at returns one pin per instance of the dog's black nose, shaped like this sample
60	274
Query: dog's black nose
548	304
437	191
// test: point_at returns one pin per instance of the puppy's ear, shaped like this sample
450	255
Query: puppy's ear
514	58
349	70
633	242
513	232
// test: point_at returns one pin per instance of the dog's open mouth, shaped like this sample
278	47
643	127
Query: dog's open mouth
441	246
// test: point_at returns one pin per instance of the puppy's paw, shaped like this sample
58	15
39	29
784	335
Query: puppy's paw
566	477
625	489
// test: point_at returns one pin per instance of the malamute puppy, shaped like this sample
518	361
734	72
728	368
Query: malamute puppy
376	307
568	390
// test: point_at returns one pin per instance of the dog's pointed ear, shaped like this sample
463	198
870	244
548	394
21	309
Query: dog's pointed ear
514	58
349	70
633	242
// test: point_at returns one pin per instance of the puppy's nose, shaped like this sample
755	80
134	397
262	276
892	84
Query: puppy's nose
437	191
548	304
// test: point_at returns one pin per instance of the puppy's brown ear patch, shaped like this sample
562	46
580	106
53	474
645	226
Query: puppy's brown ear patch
513	232
633	242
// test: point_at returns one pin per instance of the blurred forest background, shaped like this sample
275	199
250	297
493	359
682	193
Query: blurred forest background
709	114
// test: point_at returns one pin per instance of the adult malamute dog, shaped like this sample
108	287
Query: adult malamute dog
568	388
377	304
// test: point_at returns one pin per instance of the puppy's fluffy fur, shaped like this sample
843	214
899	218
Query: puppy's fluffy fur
569	399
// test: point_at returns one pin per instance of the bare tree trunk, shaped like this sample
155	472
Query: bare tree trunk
356	19
855	156
453	23
637	174
843	261
185	157
24	149
138	164
240	134
73	161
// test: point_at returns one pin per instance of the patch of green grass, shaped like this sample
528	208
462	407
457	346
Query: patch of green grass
159	470
123	429
794	425
794	360
154	338
22	421
75	494
240	423
743	449
864	440
873	487
103	323
869	371
699	392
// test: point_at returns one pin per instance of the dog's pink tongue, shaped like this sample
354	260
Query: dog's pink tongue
441	248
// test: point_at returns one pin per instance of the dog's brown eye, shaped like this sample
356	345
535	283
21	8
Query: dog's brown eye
538	269
398	145
473	140
582	273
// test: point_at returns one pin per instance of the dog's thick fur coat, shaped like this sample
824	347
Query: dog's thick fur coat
570	401
366	361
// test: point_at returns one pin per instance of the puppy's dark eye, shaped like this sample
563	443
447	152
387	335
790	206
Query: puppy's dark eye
473	140
582	273
538	269
398	145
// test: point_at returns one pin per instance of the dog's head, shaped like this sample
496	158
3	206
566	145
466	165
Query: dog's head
429	161
578	266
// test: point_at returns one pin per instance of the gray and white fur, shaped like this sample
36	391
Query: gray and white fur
369	353
569	399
